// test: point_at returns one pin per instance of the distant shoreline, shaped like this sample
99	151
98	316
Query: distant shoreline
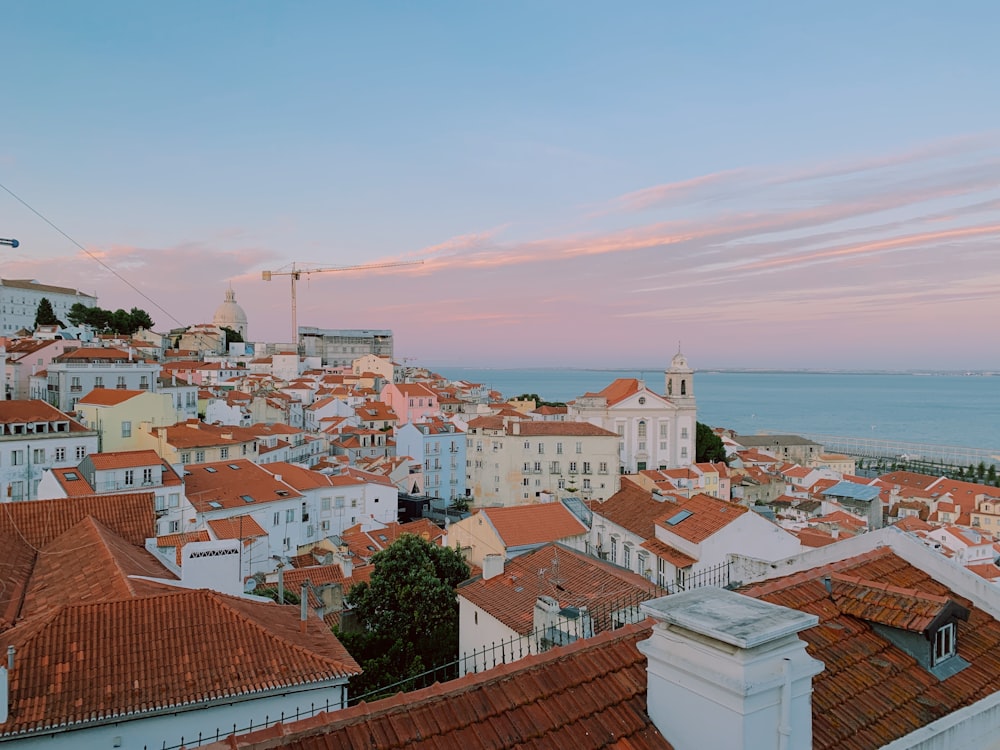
734	370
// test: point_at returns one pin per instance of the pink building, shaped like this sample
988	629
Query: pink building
412	402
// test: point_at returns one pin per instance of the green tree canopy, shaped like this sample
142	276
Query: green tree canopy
105	321
408	612
45	315
232	337
708	445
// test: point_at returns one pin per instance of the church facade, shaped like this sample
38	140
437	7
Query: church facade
655	431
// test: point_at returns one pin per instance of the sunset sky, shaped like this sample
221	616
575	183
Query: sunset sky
778	184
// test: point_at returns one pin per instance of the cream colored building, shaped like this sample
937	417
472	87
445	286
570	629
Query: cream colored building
116	415
655	431
382	366
510	462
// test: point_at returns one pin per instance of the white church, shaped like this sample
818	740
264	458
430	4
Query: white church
656	431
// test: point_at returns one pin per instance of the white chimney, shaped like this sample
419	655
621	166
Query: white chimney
728	671
492	566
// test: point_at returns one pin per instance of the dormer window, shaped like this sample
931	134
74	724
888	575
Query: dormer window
944	642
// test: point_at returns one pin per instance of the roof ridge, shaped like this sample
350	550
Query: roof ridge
225	600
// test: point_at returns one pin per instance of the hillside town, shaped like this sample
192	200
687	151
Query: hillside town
163	492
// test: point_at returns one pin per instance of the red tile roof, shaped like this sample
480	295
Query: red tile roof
591	694
63	575
571	578
871	692
39	522
34	410
534	524
708	515
237	527
634	509
219	482
555	429
208	646
125	459
109	396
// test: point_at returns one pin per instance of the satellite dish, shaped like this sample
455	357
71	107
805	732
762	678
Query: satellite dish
249	585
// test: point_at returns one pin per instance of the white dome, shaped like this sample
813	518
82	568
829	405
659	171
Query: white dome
679	362
231	315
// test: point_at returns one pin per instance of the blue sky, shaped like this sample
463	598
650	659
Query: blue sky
792	185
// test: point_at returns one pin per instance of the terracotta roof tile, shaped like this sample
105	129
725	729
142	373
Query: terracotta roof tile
109	396
707	516
208	646
39	522
534	524
125	459
634	509
540	702
237	527
570	577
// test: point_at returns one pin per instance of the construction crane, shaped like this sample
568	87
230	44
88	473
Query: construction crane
297	271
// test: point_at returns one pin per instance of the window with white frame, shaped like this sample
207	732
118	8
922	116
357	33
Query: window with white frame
129	477
126	429
944	642
60	454
38	455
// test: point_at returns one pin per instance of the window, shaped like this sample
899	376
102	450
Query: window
324	503
586	467
199	457
614	549
579	447
572	467
223	453
684	452
684	433
354	503
74	384
527	466
287	542
642	400
161	502
98	381
562	484
559	448
944	642
174	526
147	476
17	491
174	499
602	468
642	430
627	555
60	454
126	429
38	455
527	445
663	445
129	477
541	448
525	481
276	519
586	484
339	502
121	382
17	458
290	515
144	382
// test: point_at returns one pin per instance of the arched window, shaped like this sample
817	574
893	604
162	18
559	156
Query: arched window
642	430
670	387
684	388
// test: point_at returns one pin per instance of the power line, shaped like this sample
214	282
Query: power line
89	254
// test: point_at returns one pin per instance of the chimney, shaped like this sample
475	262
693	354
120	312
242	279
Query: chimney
492	566
303	606
735	659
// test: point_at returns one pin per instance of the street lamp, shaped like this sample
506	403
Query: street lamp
10	243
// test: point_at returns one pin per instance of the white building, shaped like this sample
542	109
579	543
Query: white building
655	431
35	436
19	300
77	372
512	462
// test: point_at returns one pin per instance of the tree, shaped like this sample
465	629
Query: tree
45	315
232	337
991	474
708	446
408	613
120	322
981	470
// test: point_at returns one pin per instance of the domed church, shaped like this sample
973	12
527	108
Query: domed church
231	315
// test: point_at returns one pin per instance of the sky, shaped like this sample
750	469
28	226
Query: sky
777	185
